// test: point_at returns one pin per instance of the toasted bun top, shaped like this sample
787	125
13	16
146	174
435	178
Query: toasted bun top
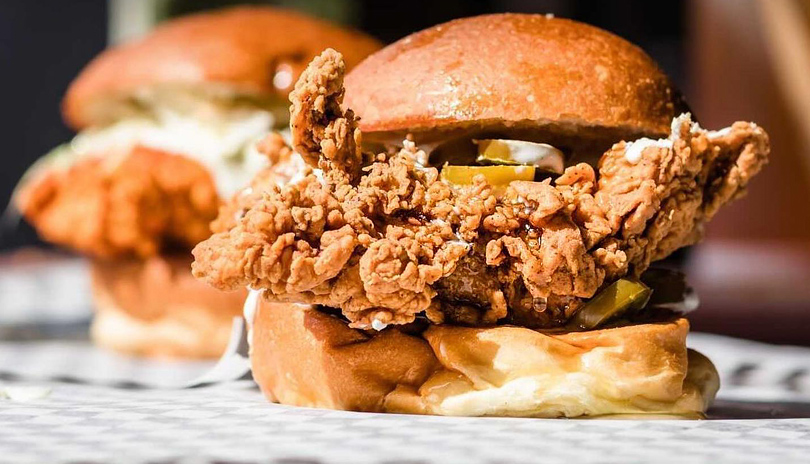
512	70
240	49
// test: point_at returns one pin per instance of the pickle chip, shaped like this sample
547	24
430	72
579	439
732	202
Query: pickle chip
497	176
616	299
519	152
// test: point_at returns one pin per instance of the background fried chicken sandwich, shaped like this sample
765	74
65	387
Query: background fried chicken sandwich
167	126
480	267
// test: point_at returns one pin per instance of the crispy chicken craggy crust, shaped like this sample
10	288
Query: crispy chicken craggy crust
396	241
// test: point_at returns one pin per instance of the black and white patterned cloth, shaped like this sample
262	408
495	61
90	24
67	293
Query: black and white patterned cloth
231	422
66	401
117	409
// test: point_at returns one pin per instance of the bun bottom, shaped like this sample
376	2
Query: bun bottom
156	308
303	357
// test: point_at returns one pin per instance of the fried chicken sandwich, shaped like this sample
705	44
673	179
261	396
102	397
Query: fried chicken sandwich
166	129
479	240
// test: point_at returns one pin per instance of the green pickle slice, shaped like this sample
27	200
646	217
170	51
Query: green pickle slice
497	176
618	298
519	152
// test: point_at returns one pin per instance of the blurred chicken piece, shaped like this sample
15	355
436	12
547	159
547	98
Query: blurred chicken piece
141	203
398	242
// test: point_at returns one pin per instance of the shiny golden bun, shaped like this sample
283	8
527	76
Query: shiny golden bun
238	50
512	72
156	308
304	357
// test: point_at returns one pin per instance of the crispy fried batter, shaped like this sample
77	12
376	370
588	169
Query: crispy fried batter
323	134
138	204
283	166
398	242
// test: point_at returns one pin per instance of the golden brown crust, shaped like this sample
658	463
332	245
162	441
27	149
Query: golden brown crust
240	48
322	133
138	203
306	358
283	166
155	308
400	241
303	357
512	71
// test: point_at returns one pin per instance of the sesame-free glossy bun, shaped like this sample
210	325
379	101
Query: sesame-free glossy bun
156	308
237	50
303	357
511	73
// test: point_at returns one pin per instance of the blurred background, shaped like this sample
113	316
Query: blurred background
733	59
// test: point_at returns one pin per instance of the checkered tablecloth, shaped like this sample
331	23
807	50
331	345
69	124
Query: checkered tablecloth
66	401
122	417
233	423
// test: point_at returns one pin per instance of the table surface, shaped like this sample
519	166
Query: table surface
233	423
87	405
66	401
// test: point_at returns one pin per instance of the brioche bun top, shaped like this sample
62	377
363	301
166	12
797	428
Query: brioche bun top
513	71
236	50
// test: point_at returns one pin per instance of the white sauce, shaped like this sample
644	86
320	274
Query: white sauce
634	150
459	241
711	135
293	172
249	310
540	155
533	153
690	302
378	325
24	393
224	142
718	133
420	157
319	174
677	125
251	305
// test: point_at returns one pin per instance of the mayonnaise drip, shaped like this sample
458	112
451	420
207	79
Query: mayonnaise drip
718	133
634	150
690	302
292	172
251	305
533	153
249	310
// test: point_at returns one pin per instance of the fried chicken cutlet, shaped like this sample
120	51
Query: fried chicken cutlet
138	204
384	239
